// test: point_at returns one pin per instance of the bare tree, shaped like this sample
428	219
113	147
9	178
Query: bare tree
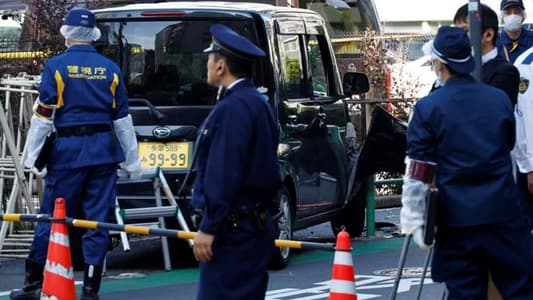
373	63
40	31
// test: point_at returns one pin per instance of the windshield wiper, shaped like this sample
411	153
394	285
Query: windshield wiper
155	112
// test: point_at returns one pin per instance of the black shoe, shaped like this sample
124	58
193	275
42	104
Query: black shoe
28	292
32	283
91	282
87	294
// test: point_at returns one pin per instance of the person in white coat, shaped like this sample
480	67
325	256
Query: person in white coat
523	150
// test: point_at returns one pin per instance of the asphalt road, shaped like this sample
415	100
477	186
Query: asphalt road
139	274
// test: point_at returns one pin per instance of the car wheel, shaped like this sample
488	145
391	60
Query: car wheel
352	217
283	221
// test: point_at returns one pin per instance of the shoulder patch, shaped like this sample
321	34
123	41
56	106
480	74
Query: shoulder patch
523	86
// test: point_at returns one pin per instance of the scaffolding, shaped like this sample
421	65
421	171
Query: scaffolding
16	182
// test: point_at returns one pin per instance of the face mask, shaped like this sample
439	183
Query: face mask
439	82
512	23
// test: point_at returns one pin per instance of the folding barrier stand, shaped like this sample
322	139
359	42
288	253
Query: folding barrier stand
429	223
158	211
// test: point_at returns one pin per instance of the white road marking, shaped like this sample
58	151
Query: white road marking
320	290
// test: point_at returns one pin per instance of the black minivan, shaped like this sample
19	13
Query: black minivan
159	48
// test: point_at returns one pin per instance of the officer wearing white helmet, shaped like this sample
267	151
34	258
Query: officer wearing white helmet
82	96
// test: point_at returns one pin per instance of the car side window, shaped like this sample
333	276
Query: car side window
292	66
317	72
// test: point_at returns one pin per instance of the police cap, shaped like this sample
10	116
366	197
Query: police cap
80	17
506	4
452	47
228	42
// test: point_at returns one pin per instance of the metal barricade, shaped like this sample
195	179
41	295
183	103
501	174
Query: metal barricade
18	95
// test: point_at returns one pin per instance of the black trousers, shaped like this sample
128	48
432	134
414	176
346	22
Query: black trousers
526	199
238	269
463	258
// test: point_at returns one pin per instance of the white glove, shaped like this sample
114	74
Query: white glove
39	129
136	174
414	193
413	204
125	133
418	237
121	173
41	173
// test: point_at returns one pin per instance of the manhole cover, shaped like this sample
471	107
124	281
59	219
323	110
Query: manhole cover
407	272
127	276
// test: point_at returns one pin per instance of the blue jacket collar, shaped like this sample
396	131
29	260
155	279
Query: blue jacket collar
84	48
245	82
458	79
505	39
239	85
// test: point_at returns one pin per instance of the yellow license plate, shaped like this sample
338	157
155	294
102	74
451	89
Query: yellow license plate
164	155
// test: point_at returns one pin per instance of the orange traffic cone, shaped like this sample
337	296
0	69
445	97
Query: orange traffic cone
342	286
58	272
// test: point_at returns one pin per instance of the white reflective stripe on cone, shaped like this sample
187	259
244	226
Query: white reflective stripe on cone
59	270
343	258
342	286
44	297
59	238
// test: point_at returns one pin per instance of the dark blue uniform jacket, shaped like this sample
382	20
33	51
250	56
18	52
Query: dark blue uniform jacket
88	90
468	129
500	73
525	40
237	165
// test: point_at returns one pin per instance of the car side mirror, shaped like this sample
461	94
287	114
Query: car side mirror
354	83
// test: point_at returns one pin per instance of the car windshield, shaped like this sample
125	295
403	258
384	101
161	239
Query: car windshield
163	61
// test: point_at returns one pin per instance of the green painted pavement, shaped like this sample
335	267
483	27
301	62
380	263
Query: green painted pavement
191	275
358	248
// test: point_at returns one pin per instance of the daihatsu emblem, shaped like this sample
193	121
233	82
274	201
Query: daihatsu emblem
161	132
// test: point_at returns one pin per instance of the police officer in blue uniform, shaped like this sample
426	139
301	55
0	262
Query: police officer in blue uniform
237	176
460	137
82	96
514	39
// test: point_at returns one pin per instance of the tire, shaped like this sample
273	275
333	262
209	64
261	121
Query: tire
352	217
283	221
